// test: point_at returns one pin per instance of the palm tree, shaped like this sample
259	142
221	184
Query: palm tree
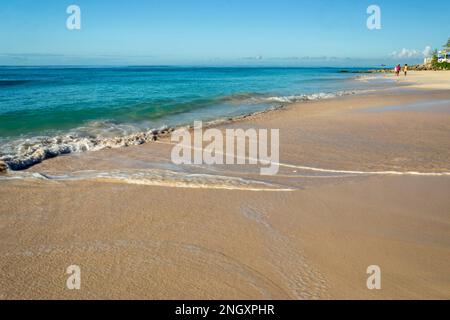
434	56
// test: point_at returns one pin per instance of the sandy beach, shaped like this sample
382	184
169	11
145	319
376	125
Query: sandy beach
364	180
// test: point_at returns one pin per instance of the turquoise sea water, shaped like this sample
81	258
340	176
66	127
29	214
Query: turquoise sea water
59	109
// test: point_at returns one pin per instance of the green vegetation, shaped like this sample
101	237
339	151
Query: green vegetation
440	65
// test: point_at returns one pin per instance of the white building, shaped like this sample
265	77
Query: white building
444	55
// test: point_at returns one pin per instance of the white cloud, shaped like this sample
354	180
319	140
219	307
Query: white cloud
411	53
427	51
253	58
405	53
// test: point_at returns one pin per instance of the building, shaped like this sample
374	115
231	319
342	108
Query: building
444	55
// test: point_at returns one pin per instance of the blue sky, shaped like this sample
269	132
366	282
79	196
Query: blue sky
216	32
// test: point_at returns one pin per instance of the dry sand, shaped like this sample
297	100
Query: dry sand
428	79
215	237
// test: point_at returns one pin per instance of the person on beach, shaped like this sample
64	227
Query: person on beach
397	70
405	69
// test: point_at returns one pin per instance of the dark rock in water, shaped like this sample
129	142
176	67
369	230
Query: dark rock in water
383	70
3	167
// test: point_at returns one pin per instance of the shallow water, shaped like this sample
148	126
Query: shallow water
434	106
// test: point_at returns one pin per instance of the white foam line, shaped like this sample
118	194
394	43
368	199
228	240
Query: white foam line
384	173
190	186
399	173
102	176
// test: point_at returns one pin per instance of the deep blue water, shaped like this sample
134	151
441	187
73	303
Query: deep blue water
40	101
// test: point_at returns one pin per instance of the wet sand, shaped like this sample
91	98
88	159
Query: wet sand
363	181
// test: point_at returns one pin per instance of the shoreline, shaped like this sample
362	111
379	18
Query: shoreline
64	144
154	135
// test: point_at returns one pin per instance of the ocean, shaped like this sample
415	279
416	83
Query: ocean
47	111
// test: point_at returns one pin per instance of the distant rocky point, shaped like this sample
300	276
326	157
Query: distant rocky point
384	70
427	67
416	67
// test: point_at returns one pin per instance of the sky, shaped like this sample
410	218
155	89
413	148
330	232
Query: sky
220	32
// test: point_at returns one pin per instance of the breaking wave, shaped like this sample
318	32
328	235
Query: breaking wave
308	97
